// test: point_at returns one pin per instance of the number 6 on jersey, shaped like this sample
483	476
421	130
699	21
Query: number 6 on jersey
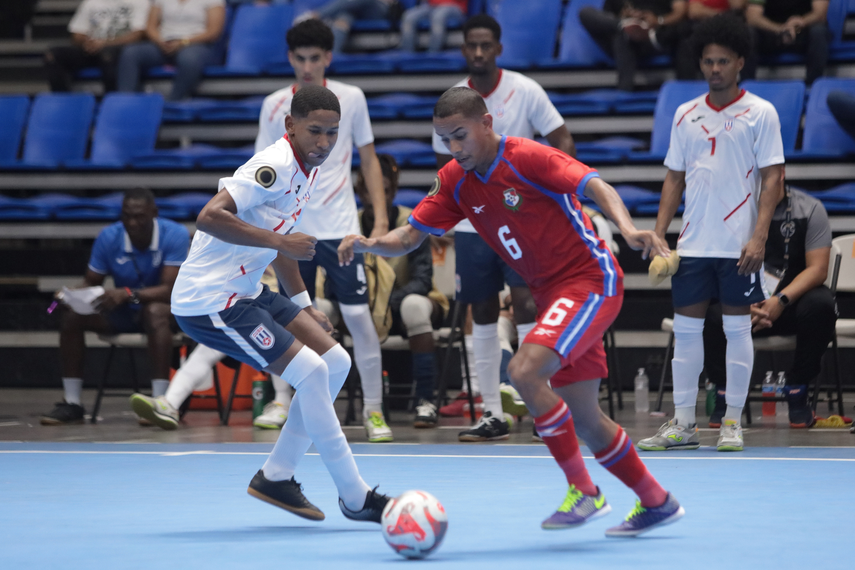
510	244
556	315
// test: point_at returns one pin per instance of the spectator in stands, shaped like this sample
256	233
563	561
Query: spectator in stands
789	26
629	30
842	107
698	10
340	15
439	13
796	265
180	33
142	253
99	30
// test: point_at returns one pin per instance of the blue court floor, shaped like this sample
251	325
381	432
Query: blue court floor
117	506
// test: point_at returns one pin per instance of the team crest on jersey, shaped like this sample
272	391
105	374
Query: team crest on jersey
728	126
263	337
500	112
513	201
265	176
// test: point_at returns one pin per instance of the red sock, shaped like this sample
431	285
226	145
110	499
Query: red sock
559	435
621	460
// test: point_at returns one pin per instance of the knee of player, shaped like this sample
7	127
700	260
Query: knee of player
337	359
155	315
522	372
415	312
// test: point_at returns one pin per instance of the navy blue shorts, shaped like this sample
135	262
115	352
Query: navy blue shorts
252	331
481	273
347	284
704	278
125	319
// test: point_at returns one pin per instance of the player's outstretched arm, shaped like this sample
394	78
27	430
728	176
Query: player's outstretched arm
613	207
771	193
400	241
672	194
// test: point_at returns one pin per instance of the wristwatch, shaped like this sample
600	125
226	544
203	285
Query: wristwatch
783	299
133	296
660	20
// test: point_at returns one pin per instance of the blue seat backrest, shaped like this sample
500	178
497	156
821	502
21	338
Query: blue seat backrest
528	28
671	95
58	128
576	44
837	10
126	126
822	132
257	36
13	116
788	98
303	6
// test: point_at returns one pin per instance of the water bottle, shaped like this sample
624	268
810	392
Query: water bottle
642	387
386	391
779	392
769	392
262	394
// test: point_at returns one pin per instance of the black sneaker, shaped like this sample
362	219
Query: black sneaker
425	415
535	437
719	410
372	511
64	413
801	414
488	428
286	495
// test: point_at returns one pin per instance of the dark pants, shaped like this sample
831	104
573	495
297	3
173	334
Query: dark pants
63	62
189	65
604	28
811	318
842	106
813	42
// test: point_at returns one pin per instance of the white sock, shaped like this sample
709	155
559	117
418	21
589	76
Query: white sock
507	333
72	387
283	391
488	359
193	374
523	330
473	371
685	416
687	364
366	352
158	387
739	362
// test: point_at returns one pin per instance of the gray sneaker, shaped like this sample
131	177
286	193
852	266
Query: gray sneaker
156	410
672	436
730	436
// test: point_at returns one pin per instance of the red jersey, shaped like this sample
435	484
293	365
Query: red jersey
526	208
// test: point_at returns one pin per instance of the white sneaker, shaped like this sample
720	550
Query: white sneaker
156	410
377	429
512	402
730	436
273	417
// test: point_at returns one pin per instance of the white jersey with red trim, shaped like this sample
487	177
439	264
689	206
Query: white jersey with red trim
722	150
270	191
519	106
332	213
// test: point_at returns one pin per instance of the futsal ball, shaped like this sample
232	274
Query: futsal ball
414	524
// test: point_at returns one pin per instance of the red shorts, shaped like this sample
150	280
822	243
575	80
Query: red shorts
572	322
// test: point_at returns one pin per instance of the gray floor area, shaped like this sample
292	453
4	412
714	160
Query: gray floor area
20	410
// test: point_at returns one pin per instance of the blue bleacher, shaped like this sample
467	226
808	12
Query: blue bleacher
174	159
788	98
409	197
529	30
409	152
244	110
107	207
671	95
576	47
227	159
13	115
256	40
823	136
184	206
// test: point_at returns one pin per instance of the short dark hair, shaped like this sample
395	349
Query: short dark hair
725	30
313	98
310	33
389	168
140	193
483	21
460	100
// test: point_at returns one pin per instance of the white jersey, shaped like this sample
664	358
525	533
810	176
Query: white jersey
519	107
332	213
722	150
270	191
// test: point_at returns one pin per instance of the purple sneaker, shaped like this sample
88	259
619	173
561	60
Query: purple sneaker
576	510
643	519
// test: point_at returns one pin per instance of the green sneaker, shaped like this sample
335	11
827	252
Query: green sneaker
512	402
671	437
156	410
576	510
377	428
730	437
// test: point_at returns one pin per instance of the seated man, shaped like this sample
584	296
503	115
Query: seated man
799	26
684	61
438	12
340	15
142	253
796	265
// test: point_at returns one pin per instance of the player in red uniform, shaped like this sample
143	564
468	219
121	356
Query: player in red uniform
521	197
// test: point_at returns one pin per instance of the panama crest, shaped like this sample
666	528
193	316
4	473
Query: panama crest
512	201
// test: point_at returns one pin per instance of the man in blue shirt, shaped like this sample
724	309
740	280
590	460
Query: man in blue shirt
142	253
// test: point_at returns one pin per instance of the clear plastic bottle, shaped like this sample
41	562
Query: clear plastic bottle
642	392
779	392
768	390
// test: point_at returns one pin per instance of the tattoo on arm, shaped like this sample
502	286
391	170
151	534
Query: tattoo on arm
404	236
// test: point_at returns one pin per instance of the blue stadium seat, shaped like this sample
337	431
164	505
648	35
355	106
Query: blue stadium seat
528	30
788	98
174	159
126	126
840	50
22	209
107	207
13	116
576	47
227	159
346	64
409	152
302	6
256	40
393	105
607	150
671	95
409	197
838	200
187	203
245	110
822	135
185	111
445	62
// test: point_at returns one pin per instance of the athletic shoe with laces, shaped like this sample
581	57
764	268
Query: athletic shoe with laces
719	410
377	429
488	428
286	495
64	413
800	413
645	519
156	410
273	416
577	509
672	436
459	406
371	511
535	437
512	402
730	437
425	415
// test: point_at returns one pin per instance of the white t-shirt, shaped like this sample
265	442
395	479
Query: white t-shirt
519	107
722	151
270	191
108	19
181	19
332	212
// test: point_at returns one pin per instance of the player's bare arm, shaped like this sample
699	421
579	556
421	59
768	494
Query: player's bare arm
400	241
288	272
562	140
219	219
373	175
672	194
613	207
772	191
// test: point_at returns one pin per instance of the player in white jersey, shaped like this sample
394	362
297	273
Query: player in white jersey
331	215
520	107
219	301
726	153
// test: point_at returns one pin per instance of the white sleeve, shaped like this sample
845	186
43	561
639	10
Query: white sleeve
79	23
245	187
768	145
139	18
543	115
265	137
675	159
362	133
